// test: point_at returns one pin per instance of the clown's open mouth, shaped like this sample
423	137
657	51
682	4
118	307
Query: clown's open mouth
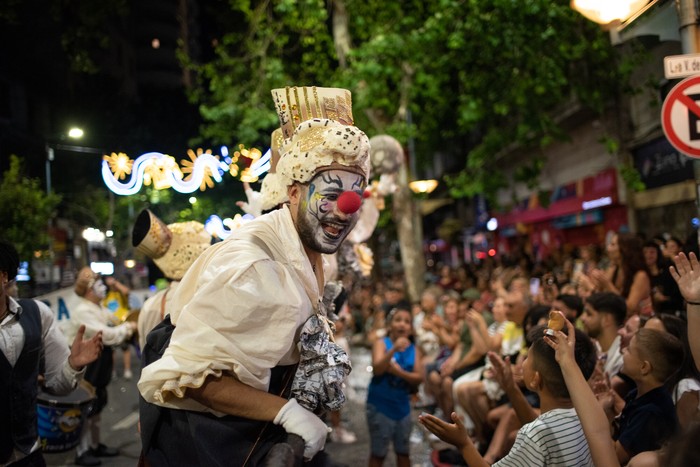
333	231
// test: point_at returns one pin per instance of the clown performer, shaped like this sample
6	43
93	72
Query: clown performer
356	257
91	289
173	248
250	326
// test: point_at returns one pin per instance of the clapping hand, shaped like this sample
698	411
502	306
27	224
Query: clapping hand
502	371
84	351
454	433
402	344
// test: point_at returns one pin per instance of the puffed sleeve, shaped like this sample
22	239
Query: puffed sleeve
239	320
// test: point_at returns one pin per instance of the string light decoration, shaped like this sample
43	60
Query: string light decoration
201	171
222	228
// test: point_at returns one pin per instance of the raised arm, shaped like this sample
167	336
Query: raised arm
503	373
686	272
593	419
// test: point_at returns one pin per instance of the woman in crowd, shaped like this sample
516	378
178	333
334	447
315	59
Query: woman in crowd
627	274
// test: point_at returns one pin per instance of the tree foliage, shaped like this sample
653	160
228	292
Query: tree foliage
25	210
477	76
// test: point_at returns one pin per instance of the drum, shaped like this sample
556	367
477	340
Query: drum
60	418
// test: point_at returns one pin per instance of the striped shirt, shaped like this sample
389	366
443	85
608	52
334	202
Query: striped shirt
555	438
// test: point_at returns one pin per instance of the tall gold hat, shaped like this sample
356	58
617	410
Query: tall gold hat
297	104
172	247
274	185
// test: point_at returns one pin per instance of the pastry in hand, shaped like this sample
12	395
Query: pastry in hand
556	322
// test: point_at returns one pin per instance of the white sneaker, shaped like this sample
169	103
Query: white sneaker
343	436
128	375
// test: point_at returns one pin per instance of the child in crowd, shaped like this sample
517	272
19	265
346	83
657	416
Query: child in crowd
648	418
555	438
593	420
398	368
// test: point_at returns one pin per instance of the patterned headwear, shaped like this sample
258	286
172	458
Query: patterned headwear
318	131
274	185
321	144
172	247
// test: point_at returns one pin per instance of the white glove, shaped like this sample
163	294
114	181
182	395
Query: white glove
296	419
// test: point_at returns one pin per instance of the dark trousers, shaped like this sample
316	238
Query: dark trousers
35	459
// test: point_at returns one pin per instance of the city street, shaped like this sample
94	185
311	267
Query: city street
120	418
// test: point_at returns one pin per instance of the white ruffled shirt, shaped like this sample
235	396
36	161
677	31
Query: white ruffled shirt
239	309
95	318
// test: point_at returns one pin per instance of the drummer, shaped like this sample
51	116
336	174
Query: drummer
28	332
90	287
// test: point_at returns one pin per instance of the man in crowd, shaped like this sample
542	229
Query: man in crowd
246	303
603	315
28	334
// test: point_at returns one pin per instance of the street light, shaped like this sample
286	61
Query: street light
607	11
73	133
423	186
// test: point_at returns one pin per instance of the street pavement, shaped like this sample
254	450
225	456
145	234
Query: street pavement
120	418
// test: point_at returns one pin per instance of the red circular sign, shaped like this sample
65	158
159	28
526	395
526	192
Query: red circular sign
680	116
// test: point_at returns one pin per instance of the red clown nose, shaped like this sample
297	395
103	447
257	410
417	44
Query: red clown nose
349	202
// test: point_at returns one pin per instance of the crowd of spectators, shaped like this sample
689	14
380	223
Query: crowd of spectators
622	296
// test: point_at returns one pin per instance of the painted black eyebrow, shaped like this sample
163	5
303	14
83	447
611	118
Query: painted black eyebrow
326	177
358	183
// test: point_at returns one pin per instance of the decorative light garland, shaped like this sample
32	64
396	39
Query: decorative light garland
222	228
162	171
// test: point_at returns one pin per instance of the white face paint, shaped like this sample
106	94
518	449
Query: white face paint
100	289
321	225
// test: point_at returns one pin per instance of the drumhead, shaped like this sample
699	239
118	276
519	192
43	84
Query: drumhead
80	395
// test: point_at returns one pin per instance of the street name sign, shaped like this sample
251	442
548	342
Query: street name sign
681	66
680	116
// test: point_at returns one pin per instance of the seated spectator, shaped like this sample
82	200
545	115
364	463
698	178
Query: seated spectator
665	294
570	305
478	394
593	420
553	438
647	417
684	384
603	315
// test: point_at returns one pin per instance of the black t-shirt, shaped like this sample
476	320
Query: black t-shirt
646	422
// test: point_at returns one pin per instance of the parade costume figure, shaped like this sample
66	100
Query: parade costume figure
92	290
173	248
250	325
28	334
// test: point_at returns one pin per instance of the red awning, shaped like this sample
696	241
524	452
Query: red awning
596	192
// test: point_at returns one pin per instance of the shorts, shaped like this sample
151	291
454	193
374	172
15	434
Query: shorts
383	430
493	390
